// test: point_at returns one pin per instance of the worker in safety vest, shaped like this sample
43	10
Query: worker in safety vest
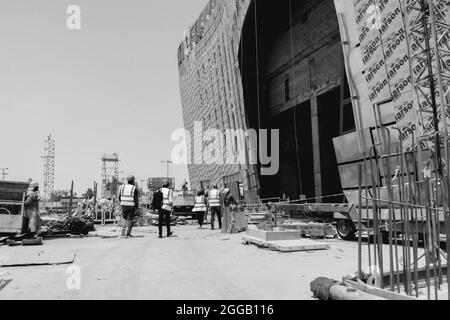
214	206
166	210
200	208
129	201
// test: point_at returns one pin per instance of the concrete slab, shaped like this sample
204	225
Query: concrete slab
276	235
287	245
298	245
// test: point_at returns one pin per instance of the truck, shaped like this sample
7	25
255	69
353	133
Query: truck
158	182
12	198
183	203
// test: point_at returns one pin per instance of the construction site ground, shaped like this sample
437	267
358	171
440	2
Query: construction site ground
193	265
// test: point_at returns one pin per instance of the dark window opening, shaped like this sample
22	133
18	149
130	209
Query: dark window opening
287	90
346	89
348	121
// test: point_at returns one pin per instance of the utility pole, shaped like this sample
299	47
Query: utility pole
167	162
4	172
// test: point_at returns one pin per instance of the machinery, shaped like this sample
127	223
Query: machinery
183	202
12	198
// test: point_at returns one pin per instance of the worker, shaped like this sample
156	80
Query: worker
157	200
166	210
31	222
129	201
228	199
200	208
214	206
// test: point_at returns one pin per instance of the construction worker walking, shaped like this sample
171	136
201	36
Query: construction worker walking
214	205
129	201
166	210
200	208
31	221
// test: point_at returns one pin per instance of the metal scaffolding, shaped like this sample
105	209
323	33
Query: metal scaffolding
427	24
49	168
110	175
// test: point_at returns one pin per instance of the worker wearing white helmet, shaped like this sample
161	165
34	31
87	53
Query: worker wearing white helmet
129	201
31	220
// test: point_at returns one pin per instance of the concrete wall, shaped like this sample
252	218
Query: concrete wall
317	59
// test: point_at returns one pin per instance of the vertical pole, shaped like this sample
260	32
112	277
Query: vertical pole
71	198
167	169
360	223
95	200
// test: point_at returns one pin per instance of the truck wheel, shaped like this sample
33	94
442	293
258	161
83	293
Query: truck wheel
346	230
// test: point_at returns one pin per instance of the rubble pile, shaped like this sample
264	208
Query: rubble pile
80	222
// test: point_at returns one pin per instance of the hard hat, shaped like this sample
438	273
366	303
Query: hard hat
34	185
131	178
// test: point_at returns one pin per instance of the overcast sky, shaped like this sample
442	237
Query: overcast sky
110	87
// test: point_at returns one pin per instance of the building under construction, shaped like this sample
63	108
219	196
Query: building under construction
322	72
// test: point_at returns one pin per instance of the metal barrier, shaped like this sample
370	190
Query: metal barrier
404	201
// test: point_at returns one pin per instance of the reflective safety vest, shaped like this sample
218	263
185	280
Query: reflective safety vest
167	199
214	198
127	195
199	204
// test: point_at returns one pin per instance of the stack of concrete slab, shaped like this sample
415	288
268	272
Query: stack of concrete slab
310	229
282	240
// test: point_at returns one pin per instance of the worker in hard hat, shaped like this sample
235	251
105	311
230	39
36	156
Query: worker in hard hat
31	221
214	206
200	208
129	201
166	210
228	199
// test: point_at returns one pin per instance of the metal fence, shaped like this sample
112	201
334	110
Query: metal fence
404	210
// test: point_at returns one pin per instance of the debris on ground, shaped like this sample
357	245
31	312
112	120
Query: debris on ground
329	289
40	259
77	223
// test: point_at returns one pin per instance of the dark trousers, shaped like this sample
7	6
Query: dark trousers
201	218
216	211
128	213
164	217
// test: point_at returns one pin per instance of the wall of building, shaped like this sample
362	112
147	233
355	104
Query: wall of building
211	90
300	72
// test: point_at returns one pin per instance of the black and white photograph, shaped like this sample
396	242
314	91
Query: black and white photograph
224	156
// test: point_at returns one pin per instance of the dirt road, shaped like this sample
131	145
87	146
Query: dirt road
194	265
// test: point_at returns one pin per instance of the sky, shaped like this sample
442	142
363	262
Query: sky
110	87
